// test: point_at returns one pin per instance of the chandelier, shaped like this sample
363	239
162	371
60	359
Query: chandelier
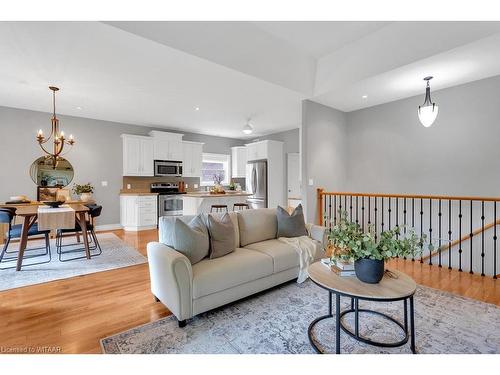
428	111
56	137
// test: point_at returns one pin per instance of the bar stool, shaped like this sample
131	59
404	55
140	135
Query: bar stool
240	206
218	207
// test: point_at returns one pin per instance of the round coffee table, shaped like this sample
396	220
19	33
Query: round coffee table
399	287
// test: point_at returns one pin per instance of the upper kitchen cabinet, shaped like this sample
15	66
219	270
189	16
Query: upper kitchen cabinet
238	161
192	159
137	155
257	150
167	146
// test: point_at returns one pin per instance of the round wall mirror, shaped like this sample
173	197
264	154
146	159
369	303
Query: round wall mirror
44	173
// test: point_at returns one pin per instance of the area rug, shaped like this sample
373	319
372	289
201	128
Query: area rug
276	321
115	254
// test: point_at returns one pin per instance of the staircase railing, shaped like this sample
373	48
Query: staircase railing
449	222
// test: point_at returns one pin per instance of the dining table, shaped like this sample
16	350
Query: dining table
29	214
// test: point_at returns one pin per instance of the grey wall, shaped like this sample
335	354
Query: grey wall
96	157
323	150
390	151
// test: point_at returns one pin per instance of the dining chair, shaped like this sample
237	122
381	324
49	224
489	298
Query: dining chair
14	231
94	211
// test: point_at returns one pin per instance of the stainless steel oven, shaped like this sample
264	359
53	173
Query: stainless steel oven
168	168
169	205
169	198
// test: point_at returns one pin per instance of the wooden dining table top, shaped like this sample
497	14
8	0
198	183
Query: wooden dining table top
30	210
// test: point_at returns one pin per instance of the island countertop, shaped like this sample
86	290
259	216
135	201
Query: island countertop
208	195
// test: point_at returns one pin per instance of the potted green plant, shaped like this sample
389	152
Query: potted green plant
83	191
350	243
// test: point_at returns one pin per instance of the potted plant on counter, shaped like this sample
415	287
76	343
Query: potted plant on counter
83	191
350	243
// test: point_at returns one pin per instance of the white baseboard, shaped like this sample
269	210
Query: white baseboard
105	227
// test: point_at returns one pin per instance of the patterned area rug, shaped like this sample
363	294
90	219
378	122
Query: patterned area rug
115	254
276	321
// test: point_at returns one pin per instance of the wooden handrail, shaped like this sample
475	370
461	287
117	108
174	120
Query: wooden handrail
464	238
322	192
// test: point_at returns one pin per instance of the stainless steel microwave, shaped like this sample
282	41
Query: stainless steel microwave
170	168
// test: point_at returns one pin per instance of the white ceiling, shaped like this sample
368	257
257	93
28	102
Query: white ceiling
156	73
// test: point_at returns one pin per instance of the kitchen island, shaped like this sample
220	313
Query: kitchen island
197	203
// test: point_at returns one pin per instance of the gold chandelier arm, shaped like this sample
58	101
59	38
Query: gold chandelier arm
44	150
68	149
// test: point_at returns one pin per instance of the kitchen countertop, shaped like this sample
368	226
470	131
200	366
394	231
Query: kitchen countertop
136	192
205	194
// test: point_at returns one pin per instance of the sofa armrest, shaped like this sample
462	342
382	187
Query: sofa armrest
319	234
171	279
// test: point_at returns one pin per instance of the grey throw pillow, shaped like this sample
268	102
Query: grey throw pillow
291	225
191	239
221	236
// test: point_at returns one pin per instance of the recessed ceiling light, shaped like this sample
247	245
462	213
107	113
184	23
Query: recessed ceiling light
365	96
79	108
196	108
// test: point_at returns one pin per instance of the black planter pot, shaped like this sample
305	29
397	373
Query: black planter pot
369	270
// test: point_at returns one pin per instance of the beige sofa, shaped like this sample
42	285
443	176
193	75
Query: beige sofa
259	262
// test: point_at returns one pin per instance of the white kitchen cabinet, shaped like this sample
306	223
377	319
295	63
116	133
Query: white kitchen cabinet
192	159
257	150
167	146
137	155
138	212
238	161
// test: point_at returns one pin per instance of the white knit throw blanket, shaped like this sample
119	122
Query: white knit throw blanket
306	248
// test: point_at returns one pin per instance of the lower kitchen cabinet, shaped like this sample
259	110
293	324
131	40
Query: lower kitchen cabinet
138	212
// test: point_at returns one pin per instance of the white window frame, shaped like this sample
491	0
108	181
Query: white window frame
223	158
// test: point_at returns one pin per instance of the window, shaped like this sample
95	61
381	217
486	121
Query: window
215	165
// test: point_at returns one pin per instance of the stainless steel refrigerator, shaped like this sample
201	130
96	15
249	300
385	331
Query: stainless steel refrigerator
256	183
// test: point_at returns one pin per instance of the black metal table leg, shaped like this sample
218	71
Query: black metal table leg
406	315
337	323
330	302
412	322
356	317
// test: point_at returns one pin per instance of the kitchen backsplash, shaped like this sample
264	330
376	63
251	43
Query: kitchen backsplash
145	182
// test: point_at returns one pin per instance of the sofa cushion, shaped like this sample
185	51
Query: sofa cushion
284	256
166	232
221	236
239	267
166	227
291	225
191	239
257	225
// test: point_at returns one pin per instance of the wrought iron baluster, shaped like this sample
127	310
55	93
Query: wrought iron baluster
330	211
335	209
357	221
449	234
413	219
369	211
482	238
350	209
430	232
421	229
389	213
382	216
460	236
470	239
376	219
363	213
495	241
325	217
439	234
397	212
345	205
404	218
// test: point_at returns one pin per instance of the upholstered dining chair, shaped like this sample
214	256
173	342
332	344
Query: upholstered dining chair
14	232
94	211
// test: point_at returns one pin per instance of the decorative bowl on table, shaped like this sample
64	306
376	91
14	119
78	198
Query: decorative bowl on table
53	204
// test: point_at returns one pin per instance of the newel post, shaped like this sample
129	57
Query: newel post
319	192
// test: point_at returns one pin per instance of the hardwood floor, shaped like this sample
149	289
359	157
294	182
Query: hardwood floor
70	316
